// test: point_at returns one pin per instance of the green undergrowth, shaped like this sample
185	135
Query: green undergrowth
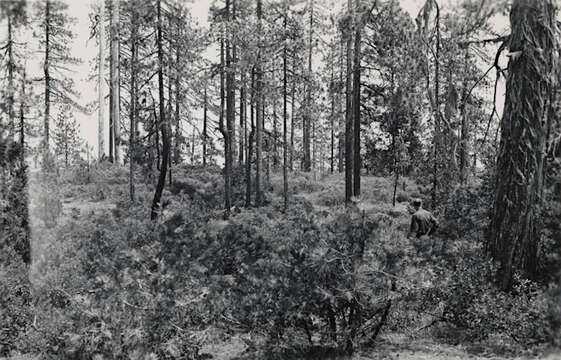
318	281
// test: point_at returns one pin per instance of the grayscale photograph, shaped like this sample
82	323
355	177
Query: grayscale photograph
280	179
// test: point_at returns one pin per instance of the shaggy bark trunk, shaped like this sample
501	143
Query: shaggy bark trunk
516	219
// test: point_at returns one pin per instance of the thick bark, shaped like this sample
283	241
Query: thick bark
259	117
115	80
356	110
516	218
161	121
100	84
349	118
341	128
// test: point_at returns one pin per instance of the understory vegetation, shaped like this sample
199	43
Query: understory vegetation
320	280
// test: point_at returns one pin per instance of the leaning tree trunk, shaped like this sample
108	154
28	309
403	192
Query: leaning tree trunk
514	232
161	122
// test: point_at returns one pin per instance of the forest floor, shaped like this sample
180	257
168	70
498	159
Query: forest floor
78	203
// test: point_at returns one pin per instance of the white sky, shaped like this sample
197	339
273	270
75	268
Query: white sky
87	50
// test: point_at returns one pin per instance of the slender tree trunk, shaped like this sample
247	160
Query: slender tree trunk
205	109
115	80
464	130
132	115
22	117
177	147
46	68
332	118
101	82
259	116
250	143
341	132
349	117
292	106
356	110
515	230
11	65
228	133
284	115
242	132
307	119
162	121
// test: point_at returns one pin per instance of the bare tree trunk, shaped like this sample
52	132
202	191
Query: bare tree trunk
292	105
11	65
514	234
307	119
332	118
356	110
243	128
205	109
341	132
46	68
161	121
116	109
284	115
259	117
228	132
101	82
349	169
22	116
463	129
133	91
250	143
436	140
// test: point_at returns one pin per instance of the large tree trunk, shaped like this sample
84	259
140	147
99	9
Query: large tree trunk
115	83
22	117
259	117
356	109
332	116
341	132
349	169
161	122
100	83
516	219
